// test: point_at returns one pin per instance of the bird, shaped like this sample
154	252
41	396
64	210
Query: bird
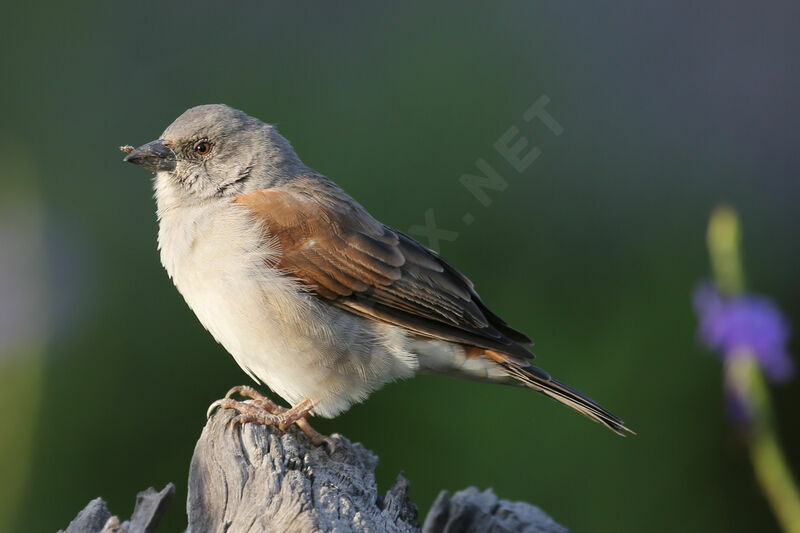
311	295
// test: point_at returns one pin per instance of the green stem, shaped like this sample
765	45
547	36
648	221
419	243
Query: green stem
743	374
769	463
723	244
775	479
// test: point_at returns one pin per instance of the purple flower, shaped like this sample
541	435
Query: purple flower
744	322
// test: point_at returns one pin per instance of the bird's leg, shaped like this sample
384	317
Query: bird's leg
299	415
262	410
259	399
249	411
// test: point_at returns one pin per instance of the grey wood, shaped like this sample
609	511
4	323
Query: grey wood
150	507
472	511
253	479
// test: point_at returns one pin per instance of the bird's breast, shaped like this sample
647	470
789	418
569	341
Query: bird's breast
276	330
219	261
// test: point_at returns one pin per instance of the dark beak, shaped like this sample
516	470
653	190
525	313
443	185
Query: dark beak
154	156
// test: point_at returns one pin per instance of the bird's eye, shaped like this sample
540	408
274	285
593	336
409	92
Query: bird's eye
202	147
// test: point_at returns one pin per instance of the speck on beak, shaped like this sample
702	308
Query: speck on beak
153	156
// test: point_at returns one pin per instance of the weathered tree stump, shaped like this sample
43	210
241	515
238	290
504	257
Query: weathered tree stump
150	507
252	478
255	478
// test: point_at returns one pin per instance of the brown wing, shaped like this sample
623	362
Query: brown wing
328	241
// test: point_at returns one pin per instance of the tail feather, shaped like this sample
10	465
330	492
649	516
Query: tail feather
538	380
492	366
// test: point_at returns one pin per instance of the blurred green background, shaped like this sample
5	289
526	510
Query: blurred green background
667	108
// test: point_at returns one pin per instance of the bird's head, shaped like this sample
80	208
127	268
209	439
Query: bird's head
215	151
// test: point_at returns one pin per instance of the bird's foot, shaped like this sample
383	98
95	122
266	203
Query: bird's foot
258	399
262	410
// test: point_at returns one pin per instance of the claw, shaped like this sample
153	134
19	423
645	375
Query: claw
233	391
211	408
262	410
314	436
258	398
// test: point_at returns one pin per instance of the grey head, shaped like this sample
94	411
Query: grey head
215	151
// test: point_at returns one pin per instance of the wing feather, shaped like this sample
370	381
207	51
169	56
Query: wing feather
330	243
